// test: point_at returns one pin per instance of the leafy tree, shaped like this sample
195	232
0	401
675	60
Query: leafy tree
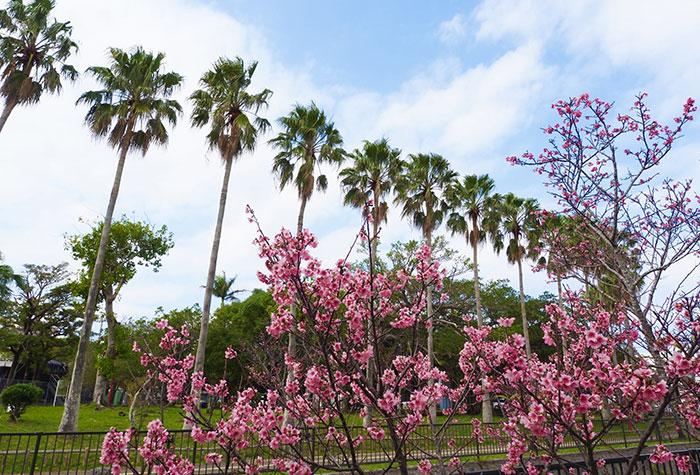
421	191
130	245
240	325
474	215
374	173
225	103
520	227
33	51
130	110
7	278
223	288
18	397
308	141
40	317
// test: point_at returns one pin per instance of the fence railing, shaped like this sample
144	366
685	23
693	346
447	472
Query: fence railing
79	452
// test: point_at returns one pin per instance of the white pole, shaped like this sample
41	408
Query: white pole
55	394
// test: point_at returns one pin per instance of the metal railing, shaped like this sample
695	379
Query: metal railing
79	452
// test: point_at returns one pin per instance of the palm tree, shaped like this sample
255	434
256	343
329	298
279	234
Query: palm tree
308	140
519	225
33	50
421	191
130	111
474	215
223	288
232	111
375	172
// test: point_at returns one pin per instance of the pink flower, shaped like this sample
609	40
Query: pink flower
425	466
506	322
230	353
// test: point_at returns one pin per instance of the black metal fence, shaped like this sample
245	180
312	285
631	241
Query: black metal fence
79	453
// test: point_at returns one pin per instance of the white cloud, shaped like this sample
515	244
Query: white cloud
453	29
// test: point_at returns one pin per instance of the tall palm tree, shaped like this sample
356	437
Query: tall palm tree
232	111
130	112
33	51
375	171
520	227
474	216
223	288
421	191
308	140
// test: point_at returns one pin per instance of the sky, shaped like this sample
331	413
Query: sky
472	81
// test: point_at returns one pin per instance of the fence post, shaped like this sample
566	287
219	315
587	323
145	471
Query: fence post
36	453
624	435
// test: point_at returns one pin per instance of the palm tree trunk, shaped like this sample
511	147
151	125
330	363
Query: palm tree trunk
9	106
292	338
100	379
486	408
526	333
69	420
209	287
429	313
369	413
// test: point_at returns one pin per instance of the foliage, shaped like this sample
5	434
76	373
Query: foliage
240	325
225	103
131	244
40	319
134	101
18	397
33	53
223	288
309	139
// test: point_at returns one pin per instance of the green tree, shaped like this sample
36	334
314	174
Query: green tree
307	141
130	111
7	278
130	245
39	317
223	288
33	51
374	173
520	228
225	103
421	191
473	216
240	325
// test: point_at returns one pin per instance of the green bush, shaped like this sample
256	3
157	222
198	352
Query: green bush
17	397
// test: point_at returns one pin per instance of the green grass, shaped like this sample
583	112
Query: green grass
47	418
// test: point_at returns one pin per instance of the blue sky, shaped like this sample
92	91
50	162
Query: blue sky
472	81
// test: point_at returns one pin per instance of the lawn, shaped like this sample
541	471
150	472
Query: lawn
47	418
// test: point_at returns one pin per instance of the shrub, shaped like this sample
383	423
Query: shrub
17	397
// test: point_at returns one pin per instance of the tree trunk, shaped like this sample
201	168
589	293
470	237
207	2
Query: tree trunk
292	339
429	313
208	288
13	369
9	106
526	333
486	407
110	353
369	413
69	420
